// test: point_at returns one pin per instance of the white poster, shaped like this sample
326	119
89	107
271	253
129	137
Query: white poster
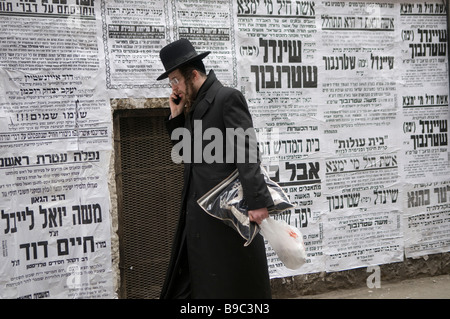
133	32
55	146
425	109
278	72
424	91
210	26
427	220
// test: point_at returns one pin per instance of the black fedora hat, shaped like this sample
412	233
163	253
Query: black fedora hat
176	54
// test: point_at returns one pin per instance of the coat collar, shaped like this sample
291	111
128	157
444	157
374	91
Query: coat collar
206	95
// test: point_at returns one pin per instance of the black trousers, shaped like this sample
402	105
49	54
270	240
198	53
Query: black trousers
182	284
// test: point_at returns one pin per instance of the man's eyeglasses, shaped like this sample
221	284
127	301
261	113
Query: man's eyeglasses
173	82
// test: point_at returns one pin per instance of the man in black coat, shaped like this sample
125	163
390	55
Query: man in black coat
208	258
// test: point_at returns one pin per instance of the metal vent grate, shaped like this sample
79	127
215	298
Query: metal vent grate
149	188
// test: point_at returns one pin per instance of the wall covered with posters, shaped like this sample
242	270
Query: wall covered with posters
349	100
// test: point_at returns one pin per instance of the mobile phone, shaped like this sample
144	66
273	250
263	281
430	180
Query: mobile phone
177	100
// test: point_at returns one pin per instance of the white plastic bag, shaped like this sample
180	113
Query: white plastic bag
286	241
226	202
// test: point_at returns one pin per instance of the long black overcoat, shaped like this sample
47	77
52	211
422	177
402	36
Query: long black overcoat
219	266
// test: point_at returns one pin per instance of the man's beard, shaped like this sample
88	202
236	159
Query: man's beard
190	96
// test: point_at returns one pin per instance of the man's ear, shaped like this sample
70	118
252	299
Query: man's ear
195	75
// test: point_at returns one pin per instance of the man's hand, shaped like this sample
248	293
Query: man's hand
258	215
176	109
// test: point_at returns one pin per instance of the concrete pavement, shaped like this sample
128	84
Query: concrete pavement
437	287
